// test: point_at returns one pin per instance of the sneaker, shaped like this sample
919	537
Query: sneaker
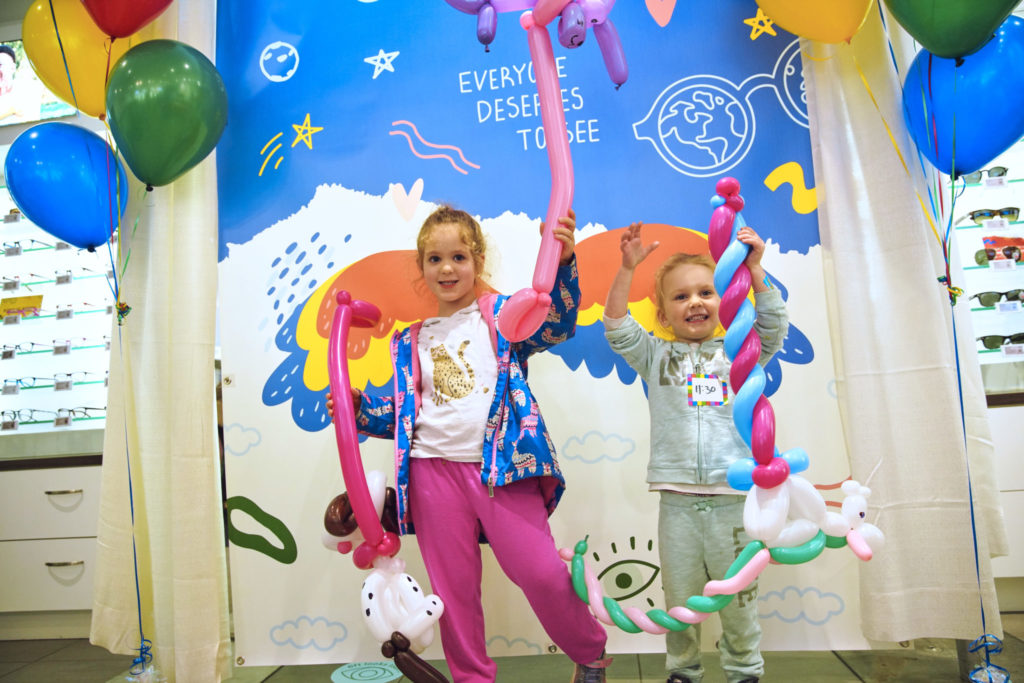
678	678
592	672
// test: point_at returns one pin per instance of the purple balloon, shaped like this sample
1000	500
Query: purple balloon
467	6
486	24
611	50
572	26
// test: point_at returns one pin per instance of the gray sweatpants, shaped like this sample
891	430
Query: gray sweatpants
698	538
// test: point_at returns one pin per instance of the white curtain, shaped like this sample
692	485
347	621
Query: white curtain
896	371
161	425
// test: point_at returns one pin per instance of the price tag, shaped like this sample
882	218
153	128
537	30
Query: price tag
62	348
1013	350
64	278
8	354
8	425
12	284
62	385
61	246
1002	264
995	224
62	421
11	389
1008	307
64	313
998	181
706	390
12	250
12	319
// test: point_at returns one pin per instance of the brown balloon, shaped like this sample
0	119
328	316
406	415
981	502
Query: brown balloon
339	519
408	662
389	519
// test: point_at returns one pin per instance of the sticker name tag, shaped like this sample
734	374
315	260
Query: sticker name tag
706	390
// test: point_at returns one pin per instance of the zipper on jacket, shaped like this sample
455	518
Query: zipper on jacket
698	367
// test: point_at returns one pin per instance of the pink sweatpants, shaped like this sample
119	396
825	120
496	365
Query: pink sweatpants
449	507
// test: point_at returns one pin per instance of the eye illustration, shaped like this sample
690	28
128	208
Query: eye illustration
630	576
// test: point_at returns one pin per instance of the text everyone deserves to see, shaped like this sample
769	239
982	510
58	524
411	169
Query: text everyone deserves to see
524	105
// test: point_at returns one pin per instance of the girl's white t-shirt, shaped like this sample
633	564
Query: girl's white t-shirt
458	372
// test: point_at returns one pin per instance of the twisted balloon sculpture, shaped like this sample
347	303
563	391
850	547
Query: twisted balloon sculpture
525	311
395	609
783	512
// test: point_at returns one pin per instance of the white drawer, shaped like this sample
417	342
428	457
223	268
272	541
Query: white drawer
47	575
49	503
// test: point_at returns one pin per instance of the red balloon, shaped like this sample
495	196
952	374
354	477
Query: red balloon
121	18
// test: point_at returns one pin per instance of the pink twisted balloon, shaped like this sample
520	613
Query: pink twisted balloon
377	543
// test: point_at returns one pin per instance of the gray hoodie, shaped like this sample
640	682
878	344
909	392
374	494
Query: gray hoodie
693	444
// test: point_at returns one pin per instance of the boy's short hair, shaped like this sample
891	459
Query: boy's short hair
673	261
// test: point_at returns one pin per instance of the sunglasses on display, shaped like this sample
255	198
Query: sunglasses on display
979	216
994	341
994	172
983	256
989	299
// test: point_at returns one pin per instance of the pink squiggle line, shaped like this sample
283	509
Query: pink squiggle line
435	146
742	578
428	156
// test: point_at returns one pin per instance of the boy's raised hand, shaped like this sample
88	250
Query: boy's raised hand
632	246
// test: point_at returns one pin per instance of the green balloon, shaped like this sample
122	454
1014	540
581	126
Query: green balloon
951	28
167	107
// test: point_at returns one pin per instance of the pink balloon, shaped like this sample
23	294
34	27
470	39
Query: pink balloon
361	314
524	313
742	578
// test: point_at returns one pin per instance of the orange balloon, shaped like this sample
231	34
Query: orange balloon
85	48
832	21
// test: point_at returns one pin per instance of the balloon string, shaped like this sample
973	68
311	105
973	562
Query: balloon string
899	78
895	145
145	657
64	57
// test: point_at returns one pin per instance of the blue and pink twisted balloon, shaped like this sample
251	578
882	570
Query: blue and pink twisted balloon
752	412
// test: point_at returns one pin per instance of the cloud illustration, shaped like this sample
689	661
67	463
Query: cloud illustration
793	604
306	632
595	446
238	439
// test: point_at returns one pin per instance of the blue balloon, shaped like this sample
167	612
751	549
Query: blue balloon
985	95
740	474
64	178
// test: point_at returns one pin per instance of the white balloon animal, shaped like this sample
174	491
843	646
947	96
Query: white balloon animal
391	599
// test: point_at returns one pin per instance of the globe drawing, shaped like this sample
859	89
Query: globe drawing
699	126
279	61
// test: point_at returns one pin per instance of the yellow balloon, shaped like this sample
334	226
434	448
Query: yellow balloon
829	21
85	48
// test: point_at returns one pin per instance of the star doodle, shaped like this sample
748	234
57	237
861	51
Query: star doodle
759	24
305	133
382	62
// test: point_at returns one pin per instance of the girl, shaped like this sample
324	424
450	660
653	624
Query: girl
700	520
472	454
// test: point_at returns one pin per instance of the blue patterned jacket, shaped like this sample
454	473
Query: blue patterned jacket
516	442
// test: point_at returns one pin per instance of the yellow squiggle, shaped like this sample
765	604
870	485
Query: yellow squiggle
804	200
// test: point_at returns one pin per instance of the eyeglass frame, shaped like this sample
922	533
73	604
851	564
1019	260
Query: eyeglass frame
1004	212
1002	295
981	257
1003	337
975	176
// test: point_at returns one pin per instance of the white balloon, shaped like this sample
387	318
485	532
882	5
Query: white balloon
393	601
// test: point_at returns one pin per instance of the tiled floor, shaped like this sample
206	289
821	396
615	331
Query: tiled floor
926	661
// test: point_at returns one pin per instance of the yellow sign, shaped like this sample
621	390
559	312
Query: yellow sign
21	305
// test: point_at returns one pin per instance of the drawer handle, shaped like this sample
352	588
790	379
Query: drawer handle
74	563
63	492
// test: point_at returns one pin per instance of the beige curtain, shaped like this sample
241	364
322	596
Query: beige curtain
162	425
895	367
